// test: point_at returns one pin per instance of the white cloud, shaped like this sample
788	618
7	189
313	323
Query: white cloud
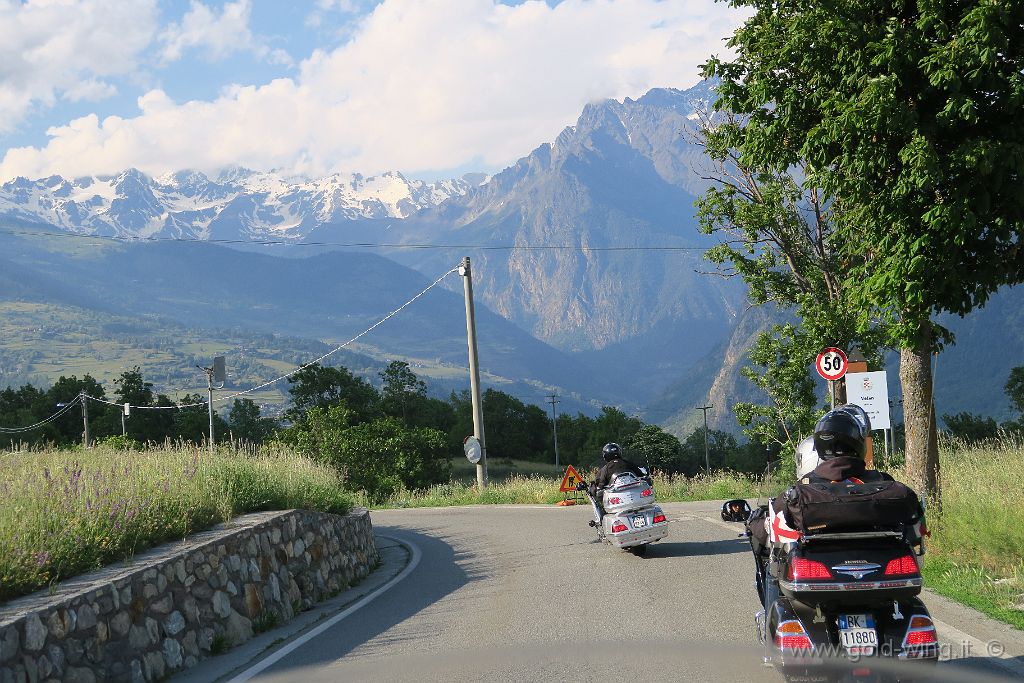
215	34
66	48
421	84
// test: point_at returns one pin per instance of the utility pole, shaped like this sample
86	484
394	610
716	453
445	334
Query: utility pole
553	399
707	461
216	373
85	418
474	373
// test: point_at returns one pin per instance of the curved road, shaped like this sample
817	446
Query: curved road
525	593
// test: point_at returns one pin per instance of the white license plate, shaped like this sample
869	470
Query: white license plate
857	631
639	522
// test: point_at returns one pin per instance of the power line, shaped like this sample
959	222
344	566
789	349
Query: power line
44	422
359	245
301	367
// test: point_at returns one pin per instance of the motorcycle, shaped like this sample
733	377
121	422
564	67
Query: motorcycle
631	519
847	606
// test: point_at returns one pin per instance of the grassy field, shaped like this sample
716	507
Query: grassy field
66	512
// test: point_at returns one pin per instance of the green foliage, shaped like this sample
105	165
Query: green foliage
317	386
247	425
970	427
653	446
1015	389
69	512
377	457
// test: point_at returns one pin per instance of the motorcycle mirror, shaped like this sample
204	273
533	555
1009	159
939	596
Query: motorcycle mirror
736	510
643	470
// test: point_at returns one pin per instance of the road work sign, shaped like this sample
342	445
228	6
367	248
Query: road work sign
870	391
570	479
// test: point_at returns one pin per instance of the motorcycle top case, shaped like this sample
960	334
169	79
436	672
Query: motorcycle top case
842	507
628	497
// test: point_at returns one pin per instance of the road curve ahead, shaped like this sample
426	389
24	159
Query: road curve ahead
523	593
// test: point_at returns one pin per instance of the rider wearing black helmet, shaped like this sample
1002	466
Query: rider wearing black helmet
614	464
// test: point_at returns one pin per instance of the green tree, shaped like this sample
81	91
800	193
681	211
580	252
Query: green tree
320	386
653	446
1015	389
192	421
152	420
909	117
247	424
612	425
401	391
721	449
378	457
971	427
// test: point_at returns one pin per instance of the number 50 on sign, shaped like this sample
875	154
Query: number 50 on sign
831	364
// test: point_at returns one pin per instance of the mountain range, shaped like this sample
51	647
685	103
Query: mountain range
588	267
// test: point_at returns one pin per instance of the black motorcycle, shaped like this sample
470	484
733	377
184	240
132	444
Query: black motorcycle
842	606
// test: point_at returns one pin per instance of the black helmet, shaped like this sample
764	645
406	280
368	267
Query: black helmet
839	433
611	451
860	414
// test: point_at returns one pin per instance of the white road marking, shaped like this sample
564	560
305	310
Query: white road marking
313	633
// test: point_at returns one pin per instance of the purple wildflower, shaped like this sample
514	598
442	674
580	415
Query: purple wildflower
41	558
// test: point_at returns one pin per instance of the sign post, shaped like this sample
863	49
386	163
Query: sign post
831	364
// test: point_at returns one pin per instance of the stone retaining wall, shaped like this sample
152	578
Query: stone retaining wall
181	602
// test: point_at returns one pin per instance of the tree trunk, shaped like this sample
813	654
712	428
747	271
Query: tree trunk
919	414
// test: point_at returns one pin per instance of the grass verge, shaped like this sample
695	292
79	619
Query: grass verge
66	512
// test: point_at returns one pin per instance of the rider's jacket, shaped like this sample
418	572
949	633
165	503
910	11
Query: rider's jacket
613	467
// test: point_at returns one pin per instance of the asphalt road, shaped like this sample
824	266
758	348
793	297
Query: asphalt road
522	593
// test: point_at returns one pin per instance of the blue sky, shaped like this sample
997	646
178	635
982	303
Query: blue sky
427	87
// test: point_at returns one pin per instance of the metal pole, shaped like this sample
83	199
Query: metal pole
707	461
124	429
553	399
85	419
474	373
209	380
832	393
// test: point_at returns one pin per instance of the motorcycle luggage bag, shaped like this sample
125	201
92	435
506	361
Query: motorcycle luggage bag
841	507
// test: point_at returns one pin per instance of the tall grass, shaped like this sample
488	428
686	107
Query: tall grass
66	512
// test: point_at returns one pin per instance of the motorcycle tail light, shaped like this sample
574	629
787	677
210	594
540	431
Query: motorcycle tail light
921	632
922	637
901	566
616	528
646	492
921	622
791	635
658	519
802	568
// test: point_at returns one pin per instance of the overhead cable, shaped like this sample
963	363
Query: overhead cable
360	245
369	329
42	423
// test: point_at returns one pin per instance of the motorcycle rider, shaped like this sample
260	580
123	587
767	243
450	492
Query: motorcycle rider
614	464
836	451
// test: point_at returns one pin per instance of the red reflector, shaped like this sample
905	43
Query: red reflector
616	528
657	519
646	492
794	642
922	637
802	568
901	566
861	673
614	501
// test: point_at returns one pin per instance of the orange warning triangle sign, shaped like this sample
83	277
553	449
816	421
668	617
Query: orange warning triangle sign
570	479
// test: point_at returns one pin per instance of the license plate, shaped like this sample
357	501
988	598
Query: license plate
857	631
639	521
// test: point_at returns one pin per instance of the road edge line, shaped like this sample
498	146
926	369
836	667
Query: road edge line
293	645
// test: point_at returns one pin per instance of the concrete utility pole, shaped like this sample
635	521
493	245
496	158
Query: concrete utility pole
216	373
553	399
474	373
85	419
707	461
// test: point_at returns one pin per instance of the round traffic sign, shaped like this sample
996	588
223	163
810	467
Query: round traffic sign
831	364
473	448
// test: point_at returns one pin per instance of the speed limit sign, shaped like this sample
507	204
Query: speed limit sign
831	364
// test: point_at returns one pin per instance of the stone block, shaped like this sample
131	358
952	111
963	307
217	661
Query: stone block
190	608
44	667
56	656
162	606
221	604
149	591
172	653
120	623
35	633
155	667
253	601
79	675
135	672
74	650
237	629
174	624
298	547
86	618
9	642
190	644
61	622
179	571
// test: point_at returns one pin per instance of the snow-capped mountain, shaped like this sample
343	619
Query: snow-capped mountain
236	203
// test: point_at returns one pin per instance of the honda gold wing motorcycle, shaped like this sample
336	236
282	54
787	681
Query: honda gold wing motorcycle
848	606
632	520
